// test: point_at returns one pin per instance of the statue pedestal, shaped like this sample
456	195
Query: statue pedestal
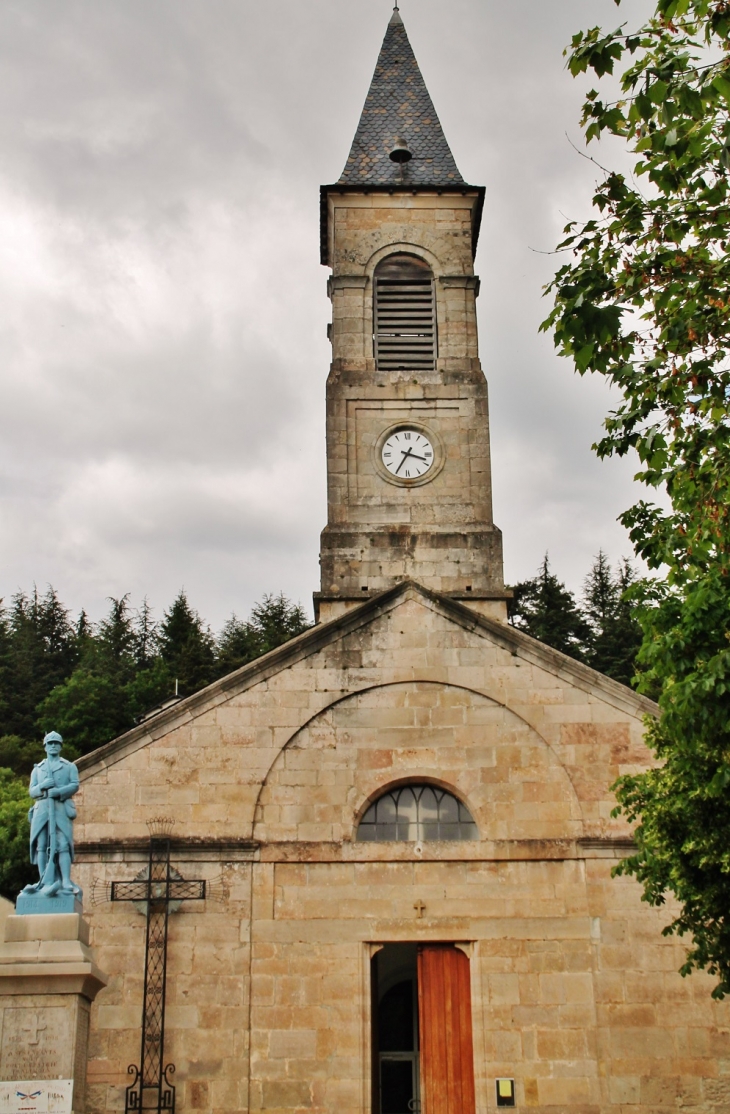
39	903
48	980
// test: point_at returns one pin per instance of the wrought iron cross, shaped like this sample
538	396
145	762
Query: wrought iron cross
161	891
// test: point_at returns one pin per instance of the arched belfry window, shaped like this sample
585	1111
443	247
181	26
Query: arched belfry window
404	314
414	813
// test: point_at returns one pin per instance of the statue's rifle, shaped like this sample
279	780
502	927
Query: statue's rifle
50	874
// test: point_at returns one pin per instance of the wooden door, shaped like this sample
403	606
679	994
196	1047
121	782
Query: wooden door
444	1015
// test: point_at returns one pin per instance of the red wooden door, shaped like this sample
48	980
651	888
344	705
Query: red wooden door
444	1017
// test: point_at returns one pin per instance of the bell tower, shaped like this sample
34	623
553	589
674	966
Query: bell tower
408	464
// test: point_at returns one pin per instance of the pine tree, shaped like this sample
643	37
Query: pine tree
273	621
153	682
615	632
93	683
186	647
43	653
115	640
92	706
600	593
238	643
6	668
276	620
145	636
544	608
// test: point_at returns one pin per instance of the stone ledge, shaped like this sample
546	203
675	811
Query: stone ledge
52	978
48	954
188	849
338	282
466	282
478	851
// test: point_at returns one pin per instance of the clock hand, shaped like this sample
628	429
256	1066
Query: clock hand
409	453
406	453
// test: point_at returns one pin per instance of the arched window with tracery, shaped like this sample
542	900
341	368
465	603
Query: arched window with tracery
404	319
416	813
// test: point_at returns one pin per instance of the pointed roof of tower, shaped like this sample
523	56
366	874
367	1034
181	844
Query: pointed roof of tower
398	108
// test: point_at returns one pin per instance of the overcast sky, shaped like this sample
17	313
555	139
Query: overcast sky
163	350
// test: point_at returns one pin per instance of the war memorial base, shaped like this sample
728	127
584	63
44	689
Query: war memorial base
48	981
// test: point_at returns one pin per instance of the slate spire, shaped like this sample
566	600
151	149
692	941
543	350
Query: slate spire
399	111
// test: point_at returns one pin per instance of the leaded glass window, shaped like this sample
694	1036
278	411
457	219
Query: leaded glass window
414	813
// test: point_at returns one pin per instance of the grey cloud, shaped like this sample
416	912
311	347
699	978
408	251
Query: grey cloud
162	339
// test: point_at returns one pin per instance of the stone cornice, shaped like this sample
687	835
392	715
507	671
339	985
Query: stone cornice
298	851
340	282
465	282
136	849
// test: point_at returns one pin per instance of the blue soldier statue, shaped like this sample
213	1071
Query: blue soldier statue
53	783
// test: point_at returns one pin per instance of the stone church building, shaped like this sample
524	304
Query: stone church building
389	876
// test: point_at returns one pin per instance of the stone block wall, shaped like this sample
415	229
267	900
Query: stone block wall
575	992
379	533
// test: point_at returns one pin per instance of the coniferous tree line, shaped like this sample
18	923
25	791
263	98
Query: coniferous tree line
92	682
601	630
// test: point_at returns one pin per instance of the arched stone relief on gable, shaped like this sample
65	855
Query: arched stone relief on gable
505	773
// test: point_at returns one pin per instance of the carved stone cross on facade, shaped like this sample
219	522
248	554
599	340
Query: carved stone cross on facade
159	894
34	1029
419	907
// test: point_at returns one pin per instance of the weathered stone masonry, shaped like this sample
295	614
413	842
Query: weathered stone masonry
411	675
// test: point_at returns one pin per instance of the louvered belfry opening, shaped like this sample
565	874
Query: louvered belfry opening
405	315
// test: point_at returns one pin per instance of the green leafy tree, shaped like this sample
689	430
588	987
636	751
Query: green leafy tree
544	608
88	708
643	300
15	868
615	635
21	755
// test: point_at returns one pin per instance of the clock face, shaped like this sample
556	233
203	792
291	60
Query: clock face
408	454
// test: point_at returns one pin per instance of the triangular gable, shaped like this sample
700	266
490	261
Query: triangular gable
322	636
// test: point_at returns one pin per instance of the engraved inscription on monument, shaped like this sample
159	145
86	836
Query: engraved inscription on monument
36	1043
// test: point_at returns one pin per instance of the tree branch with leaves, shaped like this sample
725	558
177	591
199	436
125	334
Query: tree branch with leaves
645	301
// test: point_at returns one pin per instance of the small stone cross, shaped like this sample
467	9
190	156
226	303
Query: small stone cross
419	907
34	1029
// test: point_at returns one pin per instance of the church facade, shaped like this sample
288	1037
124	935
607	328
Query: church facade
395	830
